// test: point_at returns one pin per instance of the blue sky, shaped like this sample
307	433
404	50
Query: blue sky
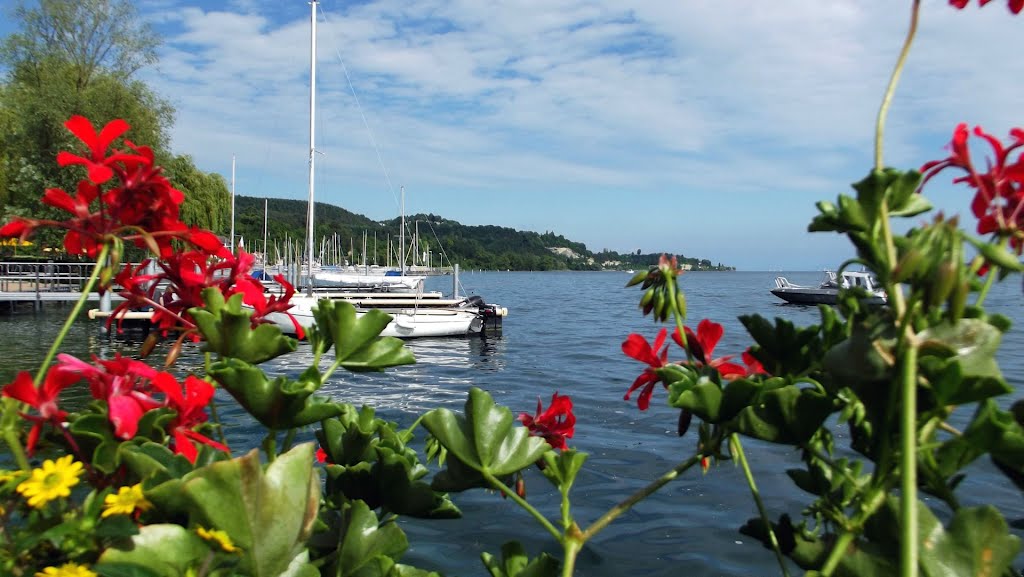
707	128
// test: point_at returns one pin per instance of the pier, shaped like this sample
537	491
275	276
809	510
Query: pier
36	283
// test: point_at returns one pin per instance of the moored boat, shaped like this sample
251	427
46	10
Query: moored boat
827	292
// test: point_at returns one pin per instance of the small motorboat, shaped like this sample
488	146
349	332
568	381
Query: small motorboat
827	292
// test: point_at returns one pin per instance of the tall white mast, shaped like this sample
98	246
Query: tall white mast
401	235
232	203
312	141
266	254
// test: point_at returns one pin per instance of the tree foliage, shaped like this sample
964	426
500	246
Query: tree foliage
92	36
79	57
485	247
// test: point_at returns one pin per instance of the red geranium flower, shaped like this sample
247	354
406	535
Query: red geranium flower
555	424
184	276
1015	5
125	384
999	191
637	347
754	366
191	409
702	345
43	400
141	206
321	455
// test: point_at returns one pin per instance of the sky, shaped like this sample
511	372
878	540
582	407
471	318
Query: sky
704	128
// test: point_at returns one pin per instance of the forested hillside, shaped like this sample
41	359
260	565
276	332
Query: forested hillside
472	247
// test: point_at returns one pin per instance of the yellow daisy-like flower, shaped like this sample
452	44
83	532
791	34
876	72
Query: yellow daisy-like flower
67	570
51	481
125	501
219	537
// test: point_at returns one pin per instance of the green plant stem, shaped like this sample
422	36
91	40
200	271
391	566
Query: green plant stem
10	432
79	305
989	281
737	449
640	495
566	510
289	439
836	555
572	548
270	445
505	490
883	110
874	500
908	463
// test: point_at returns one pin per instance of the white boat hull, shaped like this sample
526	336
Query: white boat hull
827	293
355	280
413	322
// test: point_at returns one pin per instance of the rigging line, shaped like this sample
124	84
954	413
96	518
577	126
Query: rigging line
362	114
444	255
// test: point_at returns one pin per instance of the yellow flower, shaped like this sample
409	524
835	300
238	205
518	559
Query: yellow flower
219	537
125	501
67	570
52	481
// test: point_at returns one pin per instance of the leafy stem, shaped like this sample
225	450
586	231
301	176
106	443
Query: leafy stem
908	463
737	450
101	263
505	490
10	433
640	495
883	110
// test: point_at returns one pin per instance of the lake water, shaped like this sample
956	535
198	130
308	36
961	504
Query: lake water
563	333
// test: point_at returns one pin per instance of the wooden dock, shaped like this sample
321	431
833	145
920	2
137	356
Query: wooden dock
44	282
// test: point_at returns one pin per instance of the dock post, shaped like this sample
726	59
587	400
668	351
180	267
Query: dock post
455	281
39	301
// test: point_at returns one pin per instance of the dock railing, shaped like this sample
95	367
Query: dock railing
43	281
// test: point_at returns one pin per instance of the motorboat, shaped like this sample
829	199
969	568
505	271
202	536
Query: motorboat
413	316
827	292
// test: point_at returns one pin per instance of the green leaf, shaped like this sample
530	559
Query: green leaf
162	550
358	345
277	404
364	546
227	330
783	348
267	514
483	439
977	543
703	398
515	563
561	468
997	255
810	551
969	371
902	198
785	415
154	463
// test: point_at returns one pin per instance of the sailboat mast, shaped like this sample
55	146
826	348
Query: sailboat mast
232	203
266	254
401	235
312	140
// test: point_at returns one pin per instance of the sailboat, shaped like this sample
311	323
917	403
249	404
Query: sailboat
413	315
389	280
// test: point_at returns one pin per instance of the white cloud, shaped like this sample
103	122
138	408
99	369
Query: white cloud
513	112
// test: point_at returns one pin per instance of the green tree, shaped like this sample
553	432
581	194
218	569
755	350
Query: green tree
93	36
207	198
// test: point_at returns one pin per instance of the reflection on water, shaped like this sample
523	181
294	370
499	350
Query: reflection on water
564	333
